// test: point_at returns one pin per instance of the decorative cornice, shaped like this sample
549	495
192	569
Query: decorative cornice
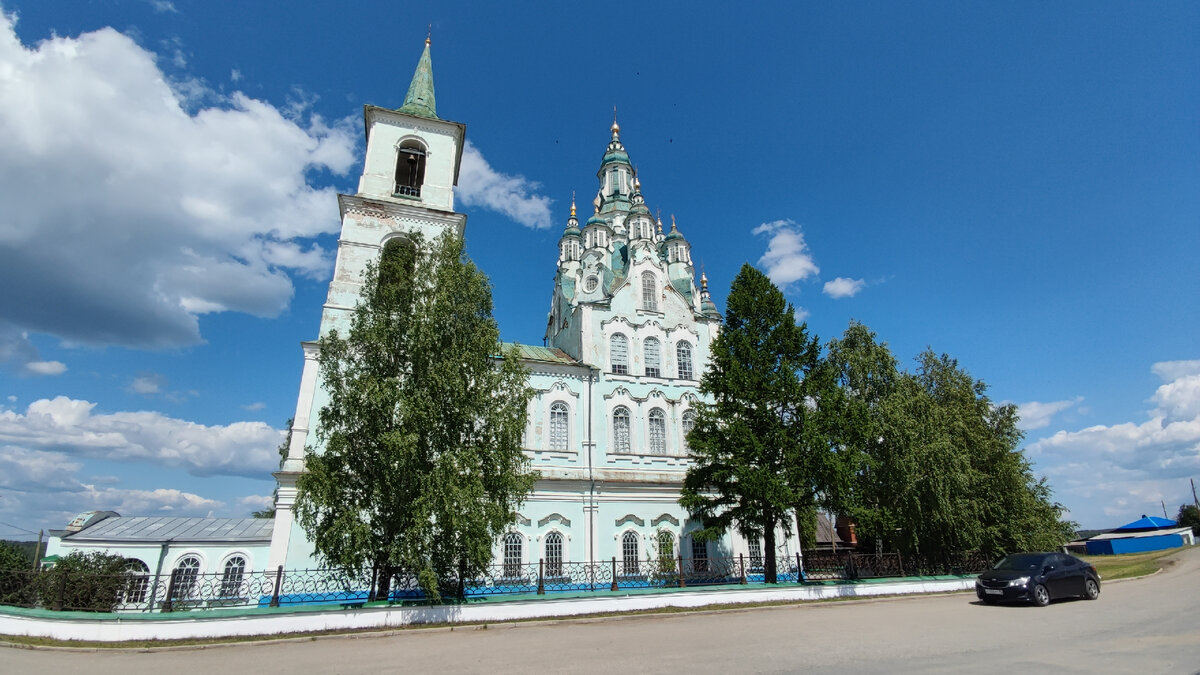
665	518
630	518
555	517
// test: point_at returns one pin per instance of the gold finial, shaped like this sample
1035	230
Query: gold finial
429	35
703	279
616	128
572	203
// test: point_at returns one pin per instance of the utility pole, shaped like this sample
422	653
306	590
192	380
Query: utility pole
1164	505
1194	500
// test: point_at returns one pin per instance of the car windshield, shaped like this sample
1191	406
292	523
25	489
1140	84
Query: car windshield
1020	562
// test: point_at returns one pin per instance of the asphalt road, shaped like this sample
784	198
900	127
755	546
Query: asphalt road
1143	626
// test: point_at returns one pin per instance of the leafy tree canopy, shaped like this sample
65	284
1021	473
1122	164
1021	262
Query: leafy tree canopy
1189	516
418	465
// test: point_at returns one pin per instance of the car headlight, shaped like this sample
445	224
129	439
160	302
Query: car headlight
1019	581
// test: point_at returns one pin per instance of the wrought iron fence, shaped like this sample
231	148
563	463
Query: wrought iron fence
184	590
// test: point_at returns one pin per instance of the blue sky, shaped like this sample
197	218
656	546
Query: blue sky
1014	184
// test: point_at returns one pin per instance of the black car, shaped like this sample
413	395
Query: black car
1038	578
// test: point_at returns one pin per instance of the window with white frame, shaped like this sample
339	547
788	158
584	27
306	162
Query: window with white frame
629	553
554	555
137	574
666	547
649	288
512	555
559	418
652	353
683	357
618	350
232	575
756	556
699	555
658	432
686	424
184	577
621	429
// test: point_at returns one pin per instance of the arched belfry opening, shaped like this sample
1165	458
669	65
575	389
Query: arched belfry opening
410	168
397	264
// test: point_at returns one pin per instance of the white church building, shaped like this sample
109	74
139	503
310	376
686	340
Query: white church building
628	337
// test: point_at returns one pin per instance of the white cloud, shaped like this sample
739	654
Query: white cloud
163	6
787	259
1125	469
257	405
46	367
257	502
235	75
843	287
802	314
1037	415
514	196
162	209
69	426
147	384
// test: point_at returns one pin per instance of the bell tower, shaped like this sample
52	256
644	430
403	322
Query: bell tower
407	186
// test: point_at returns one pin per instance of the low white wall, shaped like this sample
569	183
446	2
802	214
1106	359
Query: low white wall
198	625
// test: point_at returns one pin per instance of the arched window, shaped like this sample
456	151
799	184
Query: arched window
666	547
232	576
756	556
687	423
658	432
629	553
699	556
558	426
653	355
396	266
618	347
683	357
649	288
554	555
410	169
136	576
512	555
184	577
621	429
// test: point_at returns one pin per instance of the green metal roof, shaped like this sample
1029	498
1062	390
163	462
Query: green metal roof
543	354
420	100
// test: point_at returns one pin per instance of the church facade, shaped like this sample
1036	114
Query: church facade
627	340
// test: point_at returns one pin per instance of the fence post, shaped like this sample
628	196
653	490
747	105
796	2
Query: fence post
278	583
169	604
682	581
62	590
799	569
614	573
541	576
900	561
742	562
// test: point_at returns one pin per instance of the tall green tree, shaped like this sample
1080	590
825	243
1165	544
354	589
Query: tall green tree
1189	516
752	447
419	464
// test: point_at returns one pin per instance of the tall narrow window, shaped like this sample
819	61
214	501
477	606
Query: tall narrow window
231	576
136	576
699	556
629	553
554	555
618	347
184	577
683	356
687	423
658	432
649	301
512	555
410	169
621	429
558	426
653	356
756	557
666	547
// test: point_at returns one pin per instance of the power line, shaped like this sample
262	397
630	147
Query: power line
17	528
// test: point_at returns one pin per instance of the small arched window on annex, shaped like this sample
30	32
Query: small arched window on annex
185	578
410	168
666	548
233	574
620	427
618	353
657	431
683	360
560	418
687	422
652	355
397	263
554	554
137	576
649	292
699	555
629	554
513	555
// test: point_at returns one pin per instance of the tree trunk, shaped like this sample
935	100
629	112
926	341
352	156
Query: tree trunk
769	566
384	586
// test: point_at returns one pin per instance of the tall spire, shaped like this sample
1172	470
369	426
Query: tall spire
419	100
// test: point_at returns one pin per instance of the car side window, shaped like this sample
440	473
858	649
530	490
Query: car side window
1068	561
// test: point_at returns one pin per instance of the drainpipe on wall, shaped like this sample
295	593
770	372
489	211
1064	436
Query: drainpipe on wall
591	507
157	574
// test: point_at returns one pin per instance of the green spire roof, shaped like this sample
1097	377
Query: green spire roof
419	100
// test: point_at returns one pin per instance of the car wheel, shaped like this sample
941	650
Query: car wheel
1041	596
1091	589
